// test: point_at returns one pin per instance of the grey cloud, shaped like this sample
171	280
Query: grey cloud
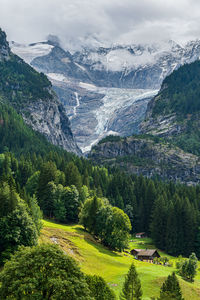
107	20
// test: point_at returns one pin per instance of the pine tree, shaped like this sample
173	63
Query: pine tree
95	204
188	269
132	287
171	230
148	204
170	289
88	214
158	224
73	176
197	243
47	174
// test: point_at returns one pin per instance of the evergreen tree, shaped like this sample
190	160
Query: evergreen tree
35	212
149	199
32	183
89	213
158	224
47	174
59	204
188	268
16	228
73	176
197	243
70	199
132	287
170	289
95	205
99	288
171	230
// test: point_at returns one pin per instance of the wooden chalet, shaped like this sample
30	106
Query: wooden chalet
141	235
145	255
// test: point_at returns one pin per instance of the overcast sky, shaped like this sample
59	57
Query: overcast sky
126	21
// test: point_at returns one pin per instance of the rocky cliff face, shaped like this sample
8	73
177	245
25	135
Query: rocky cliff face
149	158
30	93
4	47
49	118
164	125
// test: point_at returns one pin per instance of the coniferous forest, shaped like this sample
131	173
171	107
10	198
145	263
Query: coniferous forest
63	185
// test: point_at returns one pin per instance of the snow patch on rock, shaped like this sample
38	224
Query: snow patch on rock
29	52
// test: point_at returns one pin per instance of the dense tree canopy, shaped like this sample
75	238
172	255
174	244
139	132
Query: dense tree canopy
62	182
108	223
17	224
99	288
43	272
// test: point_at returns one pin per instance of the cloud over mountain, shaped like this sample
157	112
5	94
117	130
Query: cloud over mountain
75	21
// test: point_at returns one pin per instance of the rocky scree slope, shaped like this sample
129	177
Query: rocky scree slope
31	94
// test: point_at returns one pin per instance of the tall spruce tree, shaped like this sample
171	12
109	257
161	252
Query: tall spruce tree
158	224
132	287
170	289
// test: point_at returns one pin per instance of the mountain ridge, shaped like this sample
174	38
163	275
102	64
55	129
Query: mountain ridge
121	65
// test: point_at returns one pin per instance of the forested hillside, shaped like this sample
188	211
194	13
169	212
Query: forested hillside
180	92
63	182
174	112
19	138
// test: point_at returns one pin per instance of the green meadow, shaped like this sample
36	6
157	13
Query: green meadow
94	258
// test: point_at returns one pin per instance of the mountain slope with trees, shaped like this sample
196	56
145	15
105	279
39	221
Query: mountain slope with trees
175	112
31	94
62	183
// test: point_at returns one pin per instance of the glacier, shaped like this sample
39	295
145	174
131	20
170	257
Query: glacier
106	89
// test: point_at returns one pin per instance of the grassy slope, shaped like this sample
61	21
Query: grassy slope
96	259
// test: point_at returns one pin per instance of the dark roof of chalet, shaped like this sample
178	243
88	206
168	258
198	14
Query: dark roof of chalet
140	233
137	250
148	252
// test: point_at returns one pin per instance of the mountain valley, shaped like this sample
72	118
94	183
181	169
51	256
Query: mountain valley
92	80
99	150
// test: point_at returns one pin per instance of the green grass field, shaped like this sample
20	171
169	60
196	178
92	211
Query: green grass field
93	258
